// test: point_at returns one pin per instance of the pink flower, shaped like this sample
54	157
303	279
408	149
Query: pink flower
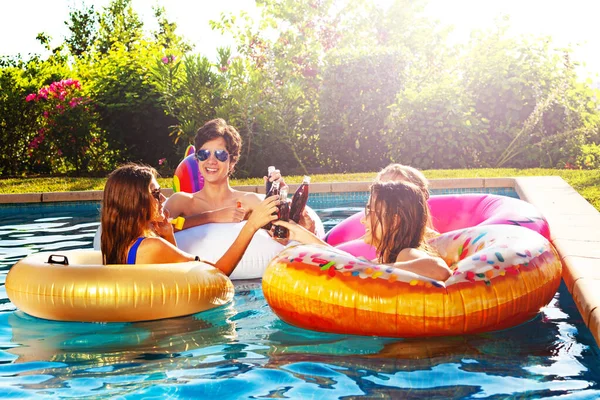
168	59
162	161
31	97
73	102
35	143
59	152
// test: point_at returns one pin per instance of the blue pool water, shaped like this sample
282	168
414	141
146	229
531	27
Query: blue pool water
242	350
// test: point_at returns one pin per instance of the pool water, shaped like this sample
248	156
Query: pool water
242	350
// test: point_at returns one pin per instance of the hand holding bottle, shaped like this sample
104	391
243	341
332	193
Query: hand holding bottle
298	233
273	175
307	222
264	213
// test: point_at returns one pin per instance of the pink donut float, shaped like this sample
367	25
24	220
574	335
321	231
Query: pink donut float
187	174
448	213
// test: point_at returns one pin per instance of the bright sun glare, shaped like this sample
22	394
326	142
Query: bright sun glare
569	23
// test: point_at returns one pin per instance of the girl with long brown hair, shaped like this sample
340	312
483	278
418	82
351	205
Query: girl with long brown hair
135	226
395	222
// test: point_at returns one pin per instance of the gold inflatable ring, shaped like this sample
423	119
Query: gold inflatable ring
75	286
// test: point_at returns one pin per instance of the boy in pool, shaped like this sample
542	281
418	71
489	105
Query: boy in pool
218	147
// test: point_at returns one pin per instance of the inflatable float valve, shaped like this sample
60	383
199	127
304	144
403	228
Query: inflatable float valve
177	222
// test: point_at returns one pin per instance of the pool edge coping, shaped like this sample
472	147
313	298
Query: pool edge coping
573	224
318	187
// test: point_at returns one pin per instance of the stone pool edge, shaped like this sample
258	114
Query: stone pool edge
574	224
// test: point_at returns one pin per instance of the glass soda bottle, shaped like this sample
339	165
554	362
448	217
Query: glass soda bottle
269	184
274	191
299	200
284	215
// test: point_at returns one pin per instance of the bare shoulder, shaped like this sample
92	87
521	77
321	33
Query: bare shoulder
178	202
151	247
180	197
156	250
249	199
409	254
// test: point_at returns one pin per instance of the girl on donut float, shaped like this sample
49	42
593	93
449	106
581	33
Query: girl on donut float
135	229
218	147
395	222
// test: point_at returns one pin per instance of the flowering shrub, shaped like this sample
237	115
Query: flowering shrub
68	137
168	59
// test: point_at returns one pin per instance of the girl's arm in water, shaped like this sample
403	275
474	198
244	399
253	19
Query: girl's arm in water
421	263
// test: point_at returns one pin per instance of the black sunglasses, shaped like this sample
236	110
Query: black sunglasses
203	154
156	194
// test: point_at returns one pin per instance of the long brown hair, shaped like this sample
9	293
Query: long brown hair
401	209
406	173
127	210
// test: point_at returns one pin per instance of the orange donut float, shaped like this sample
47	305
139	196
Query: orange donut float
503	275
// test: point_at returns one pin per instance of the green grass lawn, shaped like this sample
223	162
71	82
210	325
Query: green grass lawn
586	182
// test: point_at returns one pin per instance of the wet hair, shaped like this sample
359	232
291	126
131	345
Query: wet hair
127	209
405	173
217	128
401	209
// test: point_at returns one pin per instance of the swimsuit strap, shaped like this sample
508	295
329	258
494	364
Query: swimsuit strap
132	254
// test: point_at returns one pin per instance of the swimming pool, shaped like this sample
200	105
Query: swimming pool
242	350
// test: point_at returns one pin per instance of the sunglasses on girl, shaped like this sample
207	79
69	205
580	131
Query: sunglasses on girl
204	154
156	194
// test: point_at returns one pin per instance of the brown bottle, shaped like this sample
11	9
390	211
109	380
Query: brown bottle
299	200
284	215
274	191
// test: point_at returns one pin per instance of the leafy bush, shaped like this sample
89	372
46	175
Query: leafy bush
436	127
191	91
356	92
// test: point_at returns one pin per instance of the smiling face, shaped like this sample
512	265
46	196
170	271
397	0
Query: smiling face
212	169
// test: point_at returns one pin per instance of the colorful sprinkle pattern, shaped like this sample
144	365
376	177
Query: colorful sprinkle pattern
475	254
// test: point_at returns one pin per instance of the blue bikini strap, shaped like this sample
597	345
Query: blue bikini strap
131	256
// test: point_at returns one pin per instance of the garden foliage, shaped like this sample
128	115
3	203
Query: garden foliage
312	85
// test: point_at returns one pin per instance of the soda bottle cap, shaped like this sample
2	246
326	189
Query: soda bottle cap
270	170
306	179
